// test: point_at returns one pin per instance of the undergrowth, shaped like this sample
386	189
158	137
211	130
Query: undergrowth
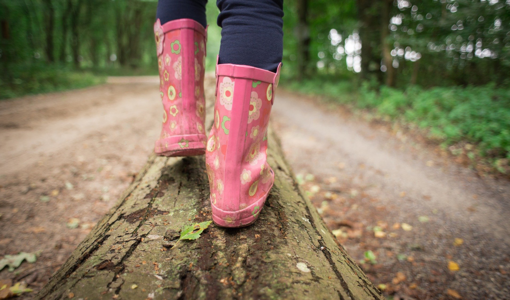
476	115
36	79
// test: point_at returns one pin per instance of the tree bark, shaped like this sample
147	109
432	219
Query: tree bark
288	253
49	28
416	68
386	47
75	37
369	16
64	21
302	32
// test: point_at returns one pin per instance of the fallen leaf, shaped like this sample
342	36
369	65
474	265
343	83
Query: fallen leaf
87	225
380	234
410	259
44	198
423	219
407	227
401	257
314	189
453	293
370	256
330	196
400	277
396	226
453	266
69	185
73	223
458	242
54	193
19	288
381	286
413	286
402	194
70	295
134	286
193	232
14	261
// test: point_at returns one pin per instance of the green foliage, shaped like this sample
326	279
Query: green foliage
41	78
478	115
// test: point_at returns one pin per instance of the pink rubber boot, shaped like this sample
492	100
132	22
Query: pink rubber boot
239	177
181	59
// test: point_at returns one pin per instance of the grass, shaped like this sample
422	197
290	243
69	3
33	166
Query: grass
35	79
452	115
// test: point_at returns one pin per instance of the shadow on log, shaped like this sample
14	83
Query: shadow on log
287	254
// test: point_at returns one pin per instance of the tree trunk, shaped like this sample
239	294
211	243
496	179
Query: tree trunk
386	47
302	32
288	253
119	38
49	27
416	68
75	37
369	19
134	36
65	23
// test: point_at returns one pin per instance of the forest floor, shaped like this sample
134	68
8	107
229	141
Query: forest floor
435	229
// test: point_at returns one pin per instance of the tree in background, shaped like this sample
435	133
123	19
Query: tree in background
401	42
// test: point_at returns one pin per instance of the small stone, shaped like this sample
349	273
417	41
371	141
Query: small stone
303	267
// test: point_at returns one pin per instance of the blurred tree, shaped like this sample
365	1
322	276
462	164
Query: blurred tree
49	20
302	33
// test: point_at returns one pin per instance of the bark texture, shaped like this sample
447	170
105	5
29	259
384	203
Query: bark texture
287	254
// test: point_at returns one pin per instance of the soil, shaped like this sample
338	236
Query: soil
65	158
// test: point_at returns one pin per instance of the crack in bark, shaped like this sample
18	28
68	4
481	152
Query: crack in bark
326	253
149	213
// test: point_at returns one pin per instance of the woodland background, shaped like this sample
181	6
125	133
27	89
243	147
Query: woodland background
441	66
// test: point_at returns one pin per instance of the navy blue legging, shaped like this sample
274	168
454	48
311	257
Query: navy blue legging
251	29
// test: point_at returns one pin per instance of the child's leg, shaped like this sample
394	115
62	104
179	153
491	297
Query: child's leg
240	178
180	36
169	10
251	32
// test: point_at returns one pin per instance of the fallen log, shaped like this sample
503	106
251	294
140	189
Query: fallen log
132	253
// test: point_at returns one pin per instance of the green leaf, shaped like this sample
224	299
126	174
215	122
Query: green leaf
14	261
401	257
193	232
19	289
370	256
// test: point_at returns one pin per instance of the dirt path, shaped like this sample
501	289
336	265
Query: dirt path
67	157
368	176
